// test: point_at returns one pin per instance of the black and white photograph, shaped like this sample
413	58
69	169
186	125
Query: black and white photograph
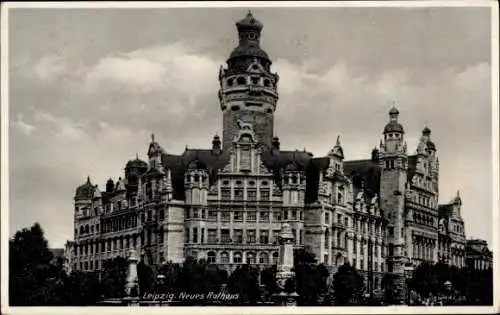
248	155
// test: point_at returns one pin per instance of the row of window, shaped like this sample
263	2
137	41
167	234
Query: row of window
87	229
239	194
248	216
255	80
239	257
240	183
236	236
378	267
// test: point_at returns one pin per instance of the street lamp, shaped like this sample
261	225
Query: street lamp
408	271
160	283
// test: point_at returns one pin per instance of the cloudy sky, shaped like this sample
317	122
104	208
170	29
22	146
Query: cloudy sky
89	86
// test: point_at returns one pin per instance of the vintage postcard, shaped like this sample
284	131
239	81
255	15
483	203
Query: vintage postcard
325	157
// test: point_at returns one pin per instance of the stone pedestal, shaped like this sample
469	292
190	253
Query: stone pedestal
132	284
285	267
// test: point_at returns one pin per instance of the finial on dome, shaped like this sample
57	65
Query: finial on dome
152	137
136	155
88	179
338	141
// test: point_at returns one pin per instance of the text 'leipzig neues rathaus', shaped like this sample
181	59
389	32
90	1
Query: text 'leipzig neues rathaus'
226	204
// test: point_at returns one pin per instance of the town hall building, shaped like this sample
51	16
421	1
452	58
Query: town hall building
227	203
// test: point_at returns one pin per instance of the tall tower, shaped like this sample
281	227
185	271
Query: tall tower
248	89
393	161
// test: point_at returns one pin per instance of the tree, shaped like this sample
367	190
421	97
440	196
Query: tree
30	268
114	277
310	277
244	282
425	279
146	278
347	285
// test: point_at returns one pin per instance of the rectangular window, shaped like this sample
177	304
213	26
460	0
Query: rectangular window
195	235
196	213
264	216
225	216
212	236
238	194
276	234
225	193
238	236
161	215
285	213
251	216
186	235
225	236
238	216
264	195
251	236
327	218
294	232
264	236
355	263
212	215
294	215
202	240
251	195
276	216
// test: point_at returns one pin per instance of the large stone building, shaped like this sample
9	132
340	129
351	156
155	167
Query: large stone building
479	256
227	203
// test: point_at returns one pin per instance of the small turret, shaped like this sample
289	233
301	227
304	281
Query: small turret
216	145
110	186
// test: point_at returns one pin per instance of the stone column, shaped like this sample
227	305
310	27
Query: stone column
285	266
132	284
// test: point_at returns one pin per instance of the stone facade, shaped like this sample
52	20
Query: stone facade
478	256
227	204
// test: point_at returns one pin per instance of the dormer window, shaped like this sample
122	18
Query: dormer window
241	80
267	83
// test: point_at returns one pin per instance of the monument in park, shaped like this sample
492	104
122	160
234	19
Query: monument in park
286	295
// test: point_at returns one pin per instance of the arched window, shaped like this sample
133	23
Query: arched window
275	258
81	230
264	258
237	258
211	257
251	258
229	82
224	257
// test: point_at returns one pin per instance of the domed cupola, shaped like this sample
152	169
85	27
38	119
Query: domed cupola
393	126
134	169
427	134
249	31
85	191
136	164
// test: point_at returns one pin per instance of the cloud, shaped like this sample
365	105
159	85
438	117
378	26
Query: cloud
174	68
50	67
27	129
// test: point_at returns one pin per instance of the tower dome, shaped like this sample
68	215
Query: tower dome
86	190
249	31
393	125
